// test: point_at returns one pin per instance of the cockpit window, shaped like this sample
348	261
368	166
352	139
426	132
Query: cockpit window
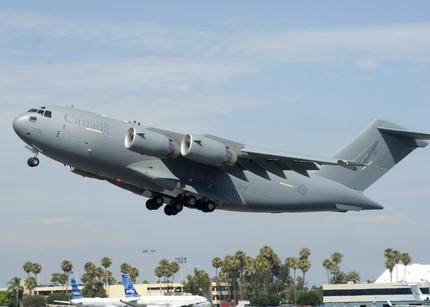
33	119
48	114
32	110
40	112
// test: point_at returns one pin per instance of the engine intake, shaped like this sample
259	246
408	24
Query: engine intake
150	143
204	150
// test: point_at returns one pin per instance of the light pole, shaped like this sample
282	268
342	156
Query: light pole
181	261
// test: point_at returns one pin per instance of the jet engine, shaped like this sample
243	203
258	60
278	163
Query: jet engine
150	143
204	150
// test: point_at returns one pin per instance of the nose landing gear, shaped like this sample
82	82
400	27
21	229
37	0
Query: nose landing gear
33	161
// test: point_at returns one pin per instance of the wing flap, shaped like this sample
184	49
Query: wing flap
291	161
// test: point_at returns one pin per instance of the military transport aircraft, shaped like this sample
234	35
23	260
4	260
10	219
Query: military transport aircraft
208	172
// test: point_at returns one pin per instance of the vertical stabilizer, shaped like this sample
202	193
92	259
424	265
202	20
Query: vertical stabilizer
380	146
129	289
76	294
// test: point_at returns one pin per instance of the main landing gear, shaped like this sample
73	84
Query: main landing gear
154	203
177	204
33	161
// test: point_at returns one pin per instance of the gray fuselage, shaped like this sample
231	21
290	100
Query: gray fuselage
93	146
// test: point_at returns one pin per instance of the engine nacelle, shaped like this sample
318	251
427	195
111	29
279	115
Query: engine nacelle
204	150
150	143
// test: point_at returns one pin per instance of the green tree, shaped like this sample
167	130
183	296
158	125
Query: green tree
134	273
36	268
57	296
90	273
304	266
310	298
30	284
304	253
131	271
397	257
406	259
352	276
6	299
106	262
94	289
389	264
336	259
327	264
266	300
174	268
34	301
198	283
15	289
216	263
28	267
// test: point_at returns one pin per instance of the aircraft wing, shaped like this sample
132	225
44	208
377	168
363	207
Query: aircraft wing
270	160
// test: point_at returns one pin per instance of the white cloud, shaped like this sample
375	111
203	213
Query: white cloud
171	90
364	46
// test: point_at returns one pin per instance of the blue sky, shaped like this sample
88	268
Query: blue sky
302	76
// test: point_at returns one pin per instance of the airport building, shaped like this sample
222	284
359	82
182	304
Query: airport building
220	292
118	290
390	288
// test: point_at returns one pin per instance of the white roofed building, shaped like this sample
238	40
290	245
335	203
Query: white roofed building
394	288
413	273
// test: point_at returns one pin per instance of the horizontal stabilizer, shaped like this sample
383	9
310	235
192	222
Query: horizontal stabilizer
407	134
380	146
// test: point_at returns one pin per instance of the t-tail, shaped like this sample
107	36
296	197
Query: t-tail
76	294
379	147
129	289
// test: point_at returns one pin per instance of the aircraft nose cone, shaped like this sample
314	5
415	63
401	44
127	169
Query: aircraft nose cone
19	126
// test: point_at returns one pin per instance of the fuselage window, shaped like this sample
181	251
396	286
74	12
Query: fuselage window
40	112
48	114
33	119
32	110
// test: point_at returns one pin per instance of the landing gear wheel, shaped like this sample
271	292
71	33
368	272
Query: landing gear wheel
32	162
210	206
206	206
177	207
168	210
150	205
158	201
191	201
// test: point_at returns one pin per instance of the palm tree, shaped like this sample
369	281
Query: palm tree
336	259
14	286
388	252
327	264
36	268
158	273
389	264
304	266
28	267
106	262
304	253
397	256
67	268
30	284
174	268
406	259
216	263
